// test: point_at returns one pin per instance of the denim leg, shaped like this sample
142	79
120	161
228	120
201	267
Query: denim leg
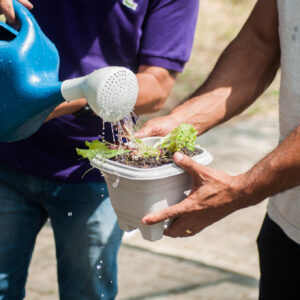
87	240
21	218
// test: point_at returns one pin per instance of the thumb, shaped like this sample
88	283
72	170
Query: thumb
187	164
170	212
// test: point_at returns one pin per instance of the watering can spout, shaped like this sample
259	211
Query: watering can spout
111	92
30	89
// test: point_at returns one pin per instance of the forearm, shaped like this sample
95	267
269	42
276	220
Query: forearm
277	172
242	73
155	85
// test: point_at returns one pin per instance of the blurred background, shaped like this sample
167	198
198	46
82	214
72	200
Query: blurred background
221	262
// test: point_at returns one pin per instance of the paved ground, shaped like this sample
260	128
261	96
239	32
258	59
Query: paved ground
220	263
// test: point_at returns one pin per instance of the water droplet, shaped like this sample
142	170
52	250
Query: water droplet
102	189
70	214
111	281
116	183
99	267
101	261
99	276
102	295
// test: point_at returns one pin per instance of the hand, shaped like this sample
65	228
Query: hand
160	126
67	108
7	8
213	197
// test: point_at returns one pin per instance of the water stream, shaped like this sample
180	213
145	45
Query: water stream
121	133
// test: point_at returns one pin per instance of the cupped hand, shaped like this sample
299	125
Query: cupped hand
7	8
213	197
160	126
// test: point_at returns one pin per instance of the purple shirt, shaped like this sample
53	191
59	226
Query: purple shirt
91	34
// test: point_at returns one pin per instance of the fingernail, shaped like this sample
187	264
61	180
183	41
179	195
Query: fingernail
144	221
178	156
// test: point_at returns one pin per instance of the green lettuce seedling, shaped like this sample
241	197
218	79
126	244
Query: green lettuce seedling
182	137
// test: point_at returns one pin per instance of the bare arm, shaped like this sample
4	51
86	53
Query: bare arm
277	172
155	84
216	194
244	70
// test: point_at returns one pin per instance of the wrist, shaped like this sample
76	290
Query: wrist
177	117
203	111
246	191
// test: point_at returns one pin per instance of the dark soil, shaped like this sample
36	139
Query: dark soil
151	162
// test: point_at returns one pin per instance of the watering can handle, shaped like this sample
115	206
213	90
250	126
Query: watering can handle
27	29
9	28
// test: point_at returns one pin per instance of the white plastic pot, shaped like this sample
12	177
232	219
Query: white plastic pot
135	192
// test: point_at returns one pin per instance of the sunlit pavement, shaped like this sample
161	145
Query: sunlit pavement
220	263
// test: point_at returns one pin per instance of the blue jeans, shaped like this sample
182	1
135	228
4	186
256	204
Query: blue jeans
87	236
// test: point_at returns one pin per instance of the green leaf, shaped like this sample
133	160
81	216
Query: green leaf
99	148
184	136
181	137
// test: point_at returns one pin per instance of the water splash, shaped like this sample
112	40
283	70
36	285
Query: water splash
121	131
116	182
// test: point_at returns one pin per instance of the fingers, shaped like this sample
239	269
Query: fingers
170	212
26	3
149	129
182	227
160	126
7	8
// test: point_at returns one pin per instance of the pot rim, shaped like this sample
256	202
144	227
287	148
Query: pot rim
135	173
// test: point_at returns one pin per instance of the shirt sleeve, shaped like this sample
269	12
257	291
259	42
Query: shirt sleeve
168	33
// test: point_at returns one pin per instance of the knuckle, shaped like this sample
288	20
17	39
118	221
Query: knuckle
170	214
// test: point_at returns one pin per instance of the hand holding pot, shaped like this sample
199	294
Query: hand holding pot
214	195
160	126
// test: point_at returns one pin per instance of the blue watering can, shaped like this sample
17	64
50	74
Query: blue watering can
29	85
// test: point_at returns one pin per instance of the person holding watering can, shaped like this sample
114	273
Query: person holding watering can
41	176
